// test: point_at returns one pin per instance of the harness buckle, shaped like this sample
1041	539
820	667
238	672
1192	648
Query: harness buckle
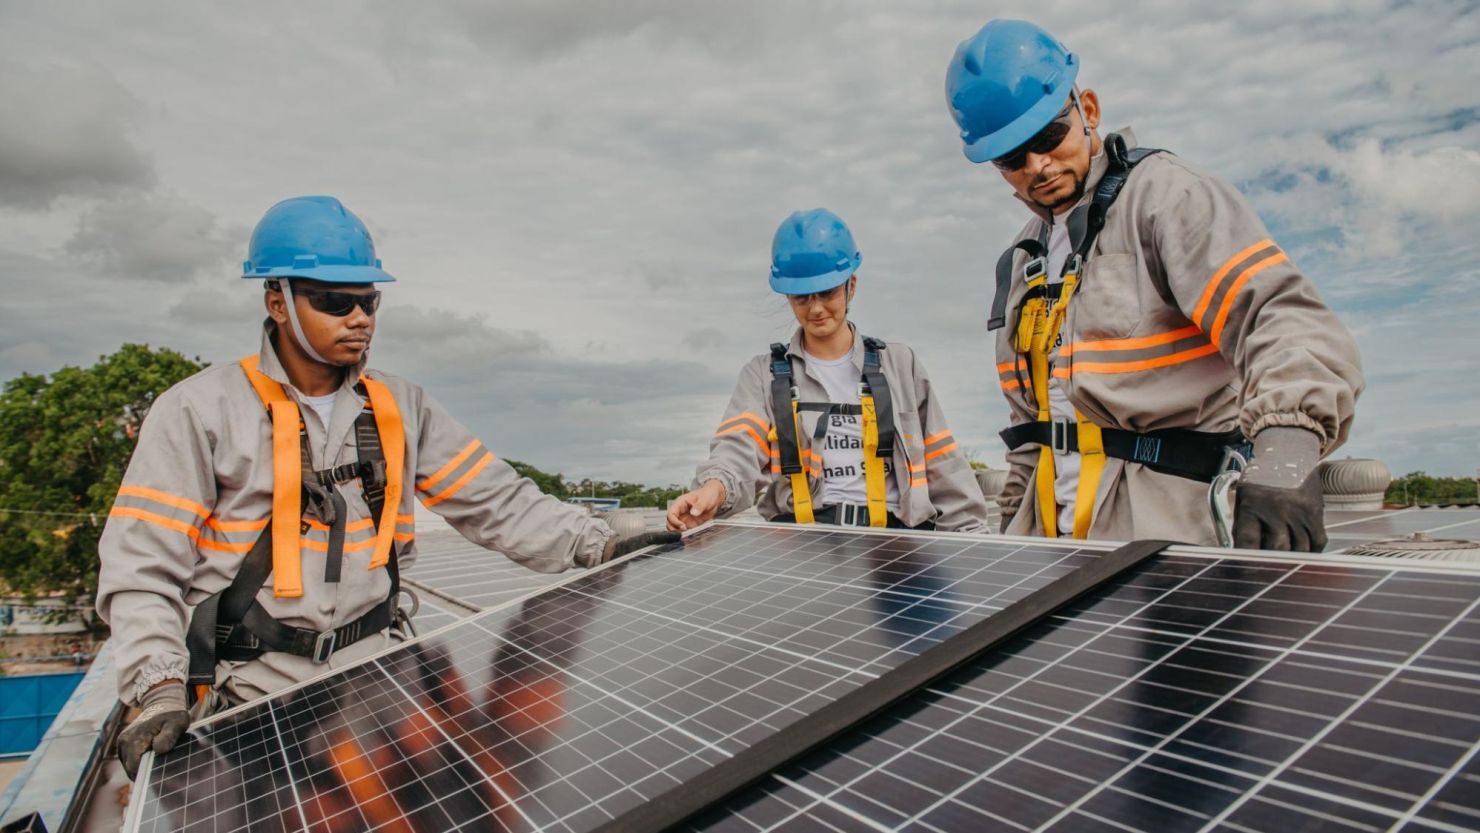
323	646
1058	436
1034	269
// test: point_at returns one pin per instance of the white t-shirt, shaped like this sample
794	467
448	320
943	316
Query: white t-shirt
324	407
842	447
1065	466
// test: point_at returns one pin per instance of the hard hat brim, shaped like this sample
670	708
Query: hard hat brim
1022	128
814	284
325	274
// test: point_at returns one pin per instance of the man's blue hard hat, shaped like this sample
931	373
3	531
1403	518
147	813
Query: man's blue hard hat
1006	83
316	238
813	251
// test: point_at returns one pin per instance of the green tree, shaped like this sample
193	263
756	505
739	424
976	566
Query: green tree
1419	487
550	484
64	444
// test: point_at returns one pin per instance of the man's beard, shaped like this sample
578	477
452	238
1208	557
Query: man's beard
1069	199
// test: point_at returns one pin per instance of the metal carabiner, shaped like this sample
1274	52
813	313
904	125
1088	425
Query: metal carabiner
1219	491
402	616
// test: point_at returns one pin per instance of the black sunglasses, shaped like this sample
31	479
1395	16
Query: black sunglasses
1044	141
339	304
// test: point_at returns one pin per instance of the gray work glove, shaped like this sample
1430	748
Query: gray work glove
629	534
1279	503
162	720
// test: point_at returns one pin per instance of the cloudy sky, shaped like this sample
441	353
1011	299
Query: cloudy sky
578	199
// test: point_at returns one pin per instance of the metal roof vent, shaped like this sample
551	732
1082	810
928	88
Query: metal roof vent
1354	483
992	481
1421	547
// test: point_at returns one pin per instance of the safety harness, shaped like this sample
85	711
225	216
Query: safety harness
876	407
1040	317
232	624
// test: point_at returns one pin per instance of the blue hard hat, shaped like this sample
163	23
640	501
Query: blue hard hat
813	251
316	238
1006	83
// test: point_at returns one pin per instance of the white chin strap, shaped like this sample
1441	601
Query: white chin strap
287	286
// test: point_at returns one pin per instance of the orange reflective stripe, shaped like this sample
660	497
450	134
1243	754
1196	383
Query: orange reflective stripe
393	444
1007	367
405	537
754	435
186	529
1212	288
917	482
225	546
236	526
760	421
1012	384
917	467
1215	334
426	485
1131	343
1188	355
942	435
163	497
461	481
287	485
939	451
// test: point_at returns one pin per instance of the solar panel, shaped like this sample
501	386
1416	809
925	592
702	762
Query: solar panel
598	694
1200	692
1197	694
1346	528
447	564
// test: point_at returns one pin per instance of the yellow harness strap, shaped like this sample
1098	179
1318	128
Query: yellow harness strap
287	482
801	493
1091	465
393	445
873	465
1037	330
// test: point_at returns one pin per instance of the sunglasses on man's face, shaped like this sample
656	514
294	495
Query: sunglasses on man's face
1044	141
339	304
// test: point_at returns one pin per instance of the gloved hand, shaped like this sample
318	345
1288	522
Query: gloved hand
1279	503
164	717
629	535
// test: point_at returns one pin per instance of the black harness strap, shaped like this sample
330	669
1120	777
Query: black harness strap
875	385
1035	249
808	733
783	393
1195	455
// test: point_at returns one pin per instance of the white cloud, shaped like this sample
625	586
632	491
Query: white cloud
153	237
592	189
66	132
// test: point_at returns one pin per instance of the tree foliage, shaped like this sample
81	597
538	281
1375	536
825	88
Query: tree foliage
1417	487
65	441
633	495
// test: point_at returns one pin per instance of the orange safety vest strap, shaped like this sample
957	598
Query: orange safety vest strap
287	501
287	482
393	445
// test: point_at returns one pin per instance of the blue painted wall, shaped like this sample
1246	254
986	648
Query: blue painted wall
28	704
